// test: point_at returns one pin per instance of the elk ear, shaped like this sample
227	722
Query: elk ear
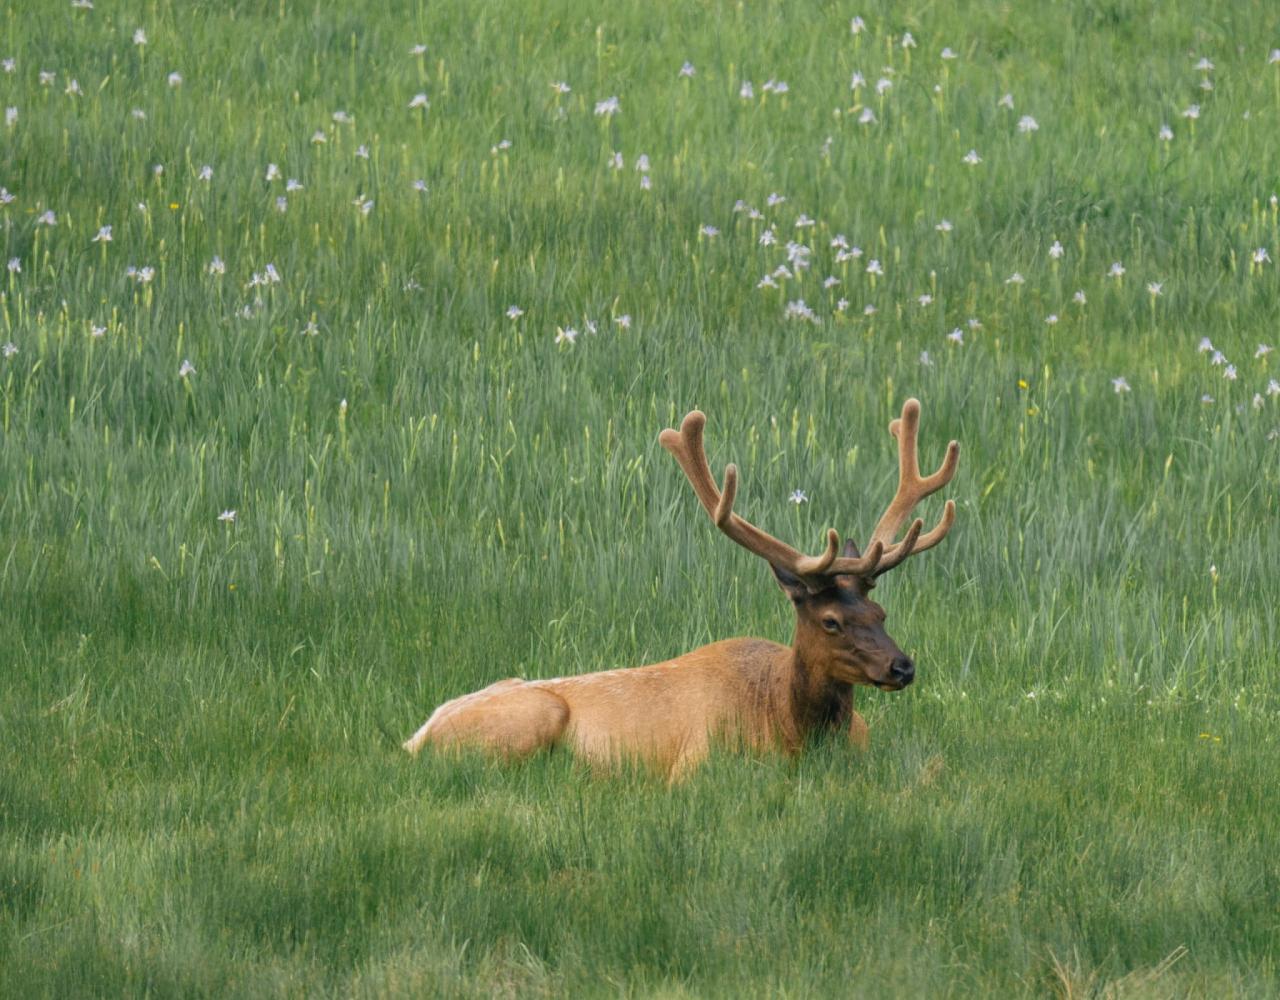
791	583
850	551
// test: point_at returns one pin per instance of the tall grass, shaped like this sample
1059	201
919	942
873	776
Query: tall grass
201	791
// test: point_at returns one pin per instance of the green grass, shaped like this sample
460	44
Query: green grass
201	787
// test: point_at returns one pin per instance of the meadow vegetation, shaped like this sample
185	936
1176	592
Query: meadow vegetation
353	407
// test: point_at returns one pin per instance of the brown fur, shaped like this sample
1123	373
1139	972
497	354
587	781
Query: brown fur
748	692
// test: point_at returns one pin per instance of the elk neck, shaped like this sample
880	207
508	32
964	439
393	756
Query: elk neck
809	697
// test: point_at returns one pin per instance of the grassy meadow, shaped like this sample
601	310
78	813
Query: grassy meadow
322	401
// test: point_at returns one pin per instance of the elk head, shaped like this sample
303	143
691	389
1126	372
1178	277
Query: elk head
839	630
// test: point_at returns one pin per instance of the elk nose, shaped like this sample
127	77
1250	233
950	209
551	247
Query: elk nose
902	670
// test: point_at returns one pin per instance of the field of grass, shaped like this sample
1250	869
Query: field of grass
201	786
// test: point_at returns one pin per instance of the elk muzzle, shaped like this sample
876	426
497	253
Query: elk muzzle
902	671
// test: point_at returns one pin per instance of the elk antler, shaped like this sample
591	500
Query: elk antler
912	488
816	571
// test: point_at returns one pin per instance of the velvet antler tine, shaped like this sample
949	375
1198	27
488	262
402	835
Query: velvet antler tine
950	462
821	565
939	531
898	554
912	488
724	509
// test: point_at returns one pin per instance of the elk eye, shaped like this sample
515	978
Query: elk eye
831	624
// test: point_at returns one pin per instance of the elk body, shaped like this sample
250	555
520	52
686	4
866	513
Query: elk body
749	692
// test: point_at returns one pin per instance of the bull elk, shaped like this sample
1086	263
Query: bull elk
752	692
